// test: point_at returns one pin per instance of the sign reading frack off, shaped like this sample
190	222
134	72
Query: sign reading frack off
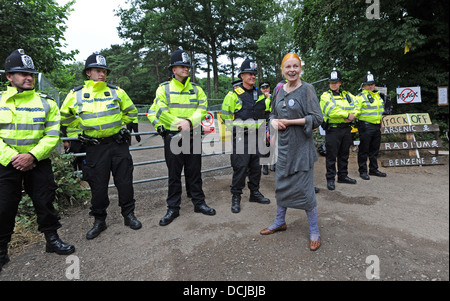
406	119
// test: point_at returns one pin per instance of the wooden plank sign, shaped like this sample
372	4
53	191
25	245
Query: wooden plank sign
406	119
412	162
410	145
410	129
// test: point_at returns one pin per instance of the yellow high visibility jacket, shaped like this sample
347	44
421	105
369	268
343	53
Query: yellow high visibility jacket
370	107
335	108
73	132
242	114
98	109
29	123
176	101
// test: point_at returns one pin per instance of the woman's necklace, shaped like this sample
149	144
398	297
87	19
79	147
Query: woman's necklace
289	88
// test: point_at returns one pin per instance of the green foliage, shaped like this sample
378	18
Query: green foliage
338	34
202	27
37	27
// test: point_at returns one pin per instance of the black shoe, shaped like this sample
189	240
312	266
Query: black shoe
316	189
364	176
169	217
256	196
236	203
346	180
4	258
330	185
132	222
377	173
56	245
203	208
99	227
265	170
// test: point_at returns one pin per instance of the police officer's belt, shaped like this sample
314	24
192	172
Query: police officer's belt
339	125
94	141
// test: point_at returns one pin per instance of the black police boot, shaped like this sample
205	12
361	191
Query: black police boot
4	258
99	227
132	222
265	170
346	180
377	173
364	176
330	185
169	217
256	196
236	203
205	209
56	245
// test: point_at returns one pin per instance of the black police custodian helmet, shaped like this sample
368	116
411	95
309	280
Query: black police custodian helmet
180	58
335	76
369	79
96	60
248	66
18	61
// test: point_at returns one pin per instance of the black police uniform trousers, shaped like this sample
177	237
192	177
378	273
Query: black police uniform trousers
338	140
245	164
369	146
192	164
40	185
101	160
77	147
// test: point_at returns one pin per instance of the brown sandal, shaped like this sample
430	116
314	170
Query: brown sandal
266	231
314	245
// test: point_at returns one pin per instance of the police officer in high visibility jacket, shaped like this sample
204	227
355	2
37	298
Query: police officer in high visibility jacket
244	109
177	112
371	107
29	132
100	110
338	109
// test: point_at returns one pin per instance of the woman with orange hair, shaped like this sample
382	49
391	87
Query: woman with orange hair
295	113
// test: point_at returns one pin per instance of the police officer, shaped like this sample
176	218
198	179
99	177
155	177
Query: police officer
29	131
338	109
244	107
371	107
177	112
100	110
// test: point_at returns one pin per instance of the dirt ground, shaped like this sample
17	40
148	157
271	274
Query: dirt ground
397	226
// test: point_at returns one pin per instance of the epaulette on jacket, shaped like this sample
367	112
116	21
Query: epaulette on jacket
112	86
78	88
46	96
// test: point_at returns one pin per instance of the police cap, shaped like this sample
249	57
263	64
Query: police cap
96	60
369	79
18	61
248	66
180	58
335	76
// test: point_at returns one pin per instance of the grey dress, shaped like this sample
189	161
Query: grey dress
296	150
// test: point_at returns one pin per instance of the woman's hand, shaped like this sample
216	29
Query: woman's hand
278	124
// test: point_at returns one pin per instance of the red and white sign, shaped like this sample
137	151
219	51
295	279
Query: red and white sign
409	95
208	124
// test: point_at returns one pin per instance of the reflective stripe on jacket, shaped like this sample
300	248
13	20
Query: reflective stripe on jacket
98	109
370	107
176	101
336	108
29	123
